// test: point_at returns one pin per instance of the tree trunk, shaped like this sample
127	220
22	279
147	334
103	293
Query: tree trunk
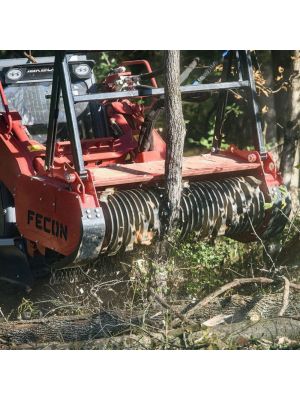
281	59
175	142
239	334
61	328
267	329
269	117
288	117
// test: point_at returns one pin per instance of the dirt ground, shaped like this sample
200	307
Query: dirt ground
72	292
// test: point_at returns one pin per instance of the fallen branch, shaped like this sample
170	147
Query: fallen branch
64	328
167	306
286	294
295	286
241	334
71	329
142	340
161	301
30	57
269	329
191	309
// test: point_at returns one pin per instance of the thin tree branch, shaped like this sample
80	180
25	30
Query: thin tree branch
286	294
191	309
167	306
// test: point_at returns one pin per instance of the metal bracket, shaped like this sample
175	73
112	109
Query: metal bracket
245	74
62	84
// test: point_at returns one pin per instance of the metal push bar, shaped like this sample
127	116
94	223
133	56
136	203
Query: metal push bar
148	92
62	84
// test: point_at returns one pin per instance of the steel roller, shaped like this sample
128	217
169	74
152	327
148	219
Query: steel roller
234	207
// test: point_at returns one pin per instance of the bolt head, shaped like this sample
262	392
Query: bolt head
70	178
252	158
271	166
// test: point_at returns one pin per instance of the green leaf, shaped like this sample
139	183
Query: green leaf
267	206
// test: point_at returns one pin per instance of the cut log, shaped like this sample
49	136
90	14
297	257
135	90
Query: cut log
63	329
194	337
267	329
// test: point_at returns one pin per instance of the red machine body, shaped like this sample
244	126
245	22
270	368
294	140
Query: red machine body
52	203
55	205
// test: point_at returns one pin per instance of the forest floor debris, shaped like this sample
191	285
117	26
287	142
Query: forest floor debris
222	296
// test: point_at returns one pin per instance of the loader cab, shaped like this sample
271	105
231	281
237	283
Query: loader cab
28	87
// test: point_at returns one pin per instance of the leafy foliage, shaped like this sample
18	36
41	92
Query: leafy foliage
105	63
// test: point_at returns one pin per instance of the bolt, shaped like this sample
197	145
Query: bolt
252	158
70	178
271	166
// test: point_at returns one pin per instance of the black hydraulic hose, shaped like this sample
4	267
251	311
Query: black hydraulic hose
152	74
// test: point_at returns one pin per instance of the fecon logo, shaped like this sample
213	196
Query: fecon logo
47	224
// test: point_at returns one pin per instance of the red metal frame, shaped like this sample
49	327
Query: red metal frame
7	115
141	62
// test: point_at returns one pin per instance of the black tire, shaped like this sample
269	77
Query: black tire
7	225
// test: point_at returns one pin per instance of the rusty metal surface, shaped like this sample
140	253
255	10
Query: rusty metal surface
205	164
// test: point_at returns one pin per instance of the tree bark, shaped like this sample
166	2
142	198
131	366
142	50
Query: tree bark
268	329
62	328
269	117
191	337
288	117
281	59
175	142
